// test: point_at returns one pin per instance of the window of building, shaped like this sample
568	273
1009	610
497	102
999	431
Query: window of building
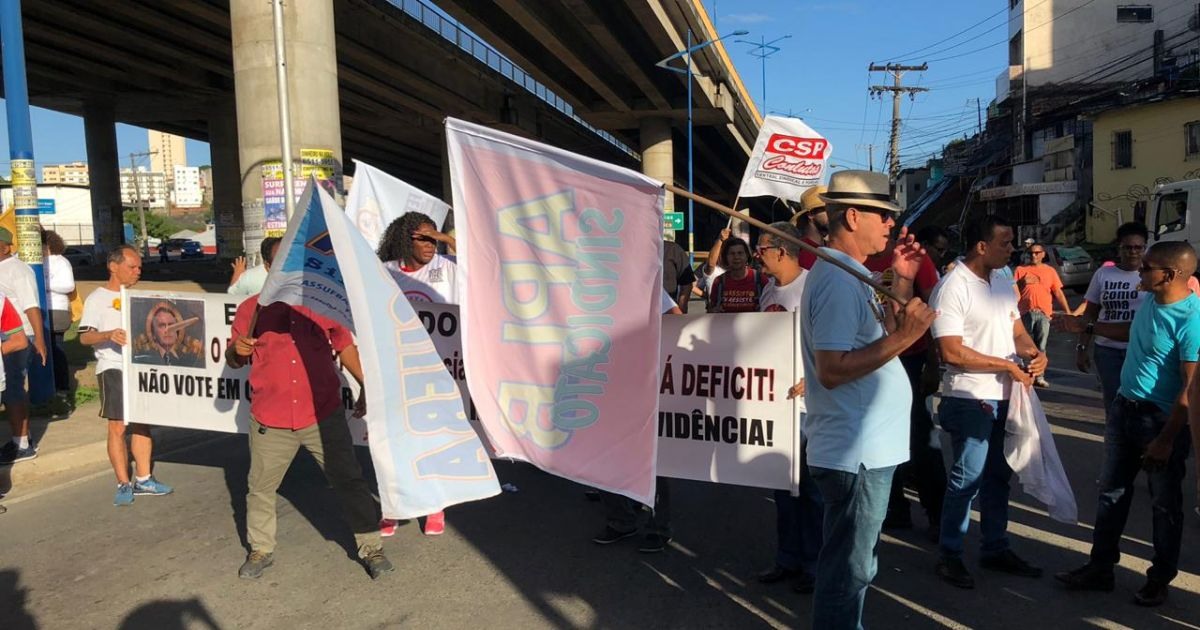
1122	149
1135	13
1016	52
1191	136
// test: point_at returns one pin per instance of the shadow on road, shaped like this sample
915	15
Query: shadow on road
14	600
170	614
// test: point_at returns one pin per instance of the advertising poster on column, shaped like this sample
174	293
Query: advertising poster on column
723	413
318	163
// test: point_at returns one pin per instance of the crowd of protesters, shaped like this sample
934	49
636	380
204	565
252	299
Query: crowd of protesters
969	328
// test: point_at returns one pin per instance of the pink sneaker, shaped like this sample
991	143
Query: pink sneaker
387	527
435	524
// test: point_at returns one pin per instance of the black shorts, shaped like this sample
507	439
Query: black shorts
112	390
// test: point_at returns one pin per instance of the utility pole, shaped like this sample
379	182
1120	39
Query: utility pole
763	49
137	191
979	116
897	89
870	154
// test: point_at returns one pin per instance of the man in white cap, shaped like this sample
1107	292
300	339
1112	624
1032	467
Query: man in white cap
857	392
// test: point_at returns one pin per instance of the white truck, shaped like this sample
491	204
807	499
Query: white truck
1175	213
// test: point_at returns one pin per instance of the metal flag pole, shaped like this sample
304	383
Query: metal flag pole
24	182
285	117
783	235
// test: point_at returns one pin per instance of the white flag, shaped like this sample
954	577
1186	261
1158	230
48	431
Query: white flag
376	199
789	158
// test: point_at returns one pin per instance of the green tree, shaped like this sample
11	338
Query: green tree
157	225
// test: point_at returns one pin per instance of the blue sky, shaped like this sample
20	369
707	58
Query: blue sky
820	73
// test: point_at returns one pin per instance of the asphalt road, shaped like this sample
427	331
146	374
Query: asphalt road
70	559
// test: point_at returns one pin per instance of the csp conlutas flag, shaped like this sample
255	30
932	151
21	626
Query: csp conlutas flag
789	157
376	199
426	455
562	259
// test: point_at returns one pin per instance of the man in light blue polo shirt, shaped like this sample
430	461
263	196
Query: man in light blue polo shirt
858	395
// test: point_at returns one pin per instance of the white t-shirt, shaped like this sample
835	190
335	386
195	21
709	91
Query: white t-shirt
983	314
705	280
1115	290
250	282
436	282
61	279
17	282
786	298
100	314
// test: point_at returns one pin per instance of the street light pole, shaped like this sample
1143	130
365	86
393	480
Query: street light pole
687	71
763	49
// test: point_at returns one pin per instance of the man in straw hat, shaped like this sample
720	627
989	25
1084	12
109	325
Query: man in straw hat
858	394
813	222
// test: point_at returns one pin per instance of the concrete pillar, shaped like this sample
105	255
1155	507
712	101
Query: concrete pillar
232	237
658	158
100	136
312	79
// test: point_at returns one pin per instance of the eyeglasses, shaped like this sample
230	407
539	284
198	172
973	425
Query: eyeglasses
759	251
884	215
1133	248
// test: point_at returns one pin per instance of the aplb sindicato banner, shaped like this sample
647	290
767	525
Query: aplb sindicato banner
723	412
789	157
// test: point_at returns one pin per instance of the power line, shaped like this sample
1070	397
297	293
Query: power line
938	43
898	90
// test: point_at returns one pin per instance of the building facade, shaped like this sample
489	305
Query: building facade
166	152
910	185
186	191
1136	148
150	187
75	174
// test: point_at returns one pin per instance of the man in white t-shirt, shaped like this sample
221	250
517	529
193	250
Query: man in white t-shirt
247	282
19	285
981	339
100	327
797	519
1113	298
408	250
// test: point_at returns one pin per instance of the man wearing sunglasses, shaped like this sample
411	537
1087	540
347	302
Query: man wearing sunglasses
1147	423
1037	283
857	393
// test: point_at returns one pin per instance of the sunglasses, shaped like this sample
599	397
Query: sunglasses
1147	269
1037	251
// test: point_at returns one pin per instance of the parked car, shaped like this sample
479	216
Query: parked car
191	249
78	256
1075	266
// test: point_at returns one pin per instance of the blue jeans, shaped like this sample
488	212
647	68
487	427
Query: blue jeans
1108	369
1037	324
855	505
798	523
976	429
1130	427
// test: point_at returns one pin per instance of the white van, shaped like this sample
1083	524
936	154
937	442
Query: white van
1175	213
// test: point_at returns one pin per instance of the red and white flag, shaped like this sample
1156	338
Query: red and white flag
561	256
789	158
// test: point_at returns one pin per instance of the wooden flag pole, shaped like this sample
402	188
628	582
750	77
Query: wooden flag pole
805	246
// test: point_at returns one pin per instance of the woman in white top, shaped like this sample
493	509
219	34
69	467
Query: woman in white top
1113	296
61	279
408	250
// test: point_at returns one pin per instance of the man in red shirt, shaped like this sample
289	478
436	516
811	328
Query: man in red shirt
813	222
924	468
296	401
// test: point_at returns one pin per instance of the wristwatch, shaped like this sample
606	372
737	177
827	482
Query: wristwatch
1081	346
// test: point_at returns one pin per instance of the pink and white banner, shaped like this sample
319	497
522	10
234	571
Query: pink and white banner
561	256
789	158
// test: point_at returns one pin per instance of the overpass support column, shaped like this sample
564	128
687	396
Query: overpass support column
100	136
311	53
658	159
232	238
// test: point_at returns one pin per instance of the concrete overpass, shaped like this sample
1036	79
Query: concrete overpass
372	79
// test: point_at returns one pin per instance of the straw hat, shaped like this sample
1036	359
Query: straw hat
860	188
810	201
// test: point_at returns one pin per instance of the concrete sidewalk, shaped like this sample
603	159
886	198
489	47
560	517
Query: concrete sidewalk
74	448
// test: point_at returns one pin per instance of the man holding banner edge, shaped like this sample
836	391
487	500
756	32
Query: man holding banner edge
858	398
